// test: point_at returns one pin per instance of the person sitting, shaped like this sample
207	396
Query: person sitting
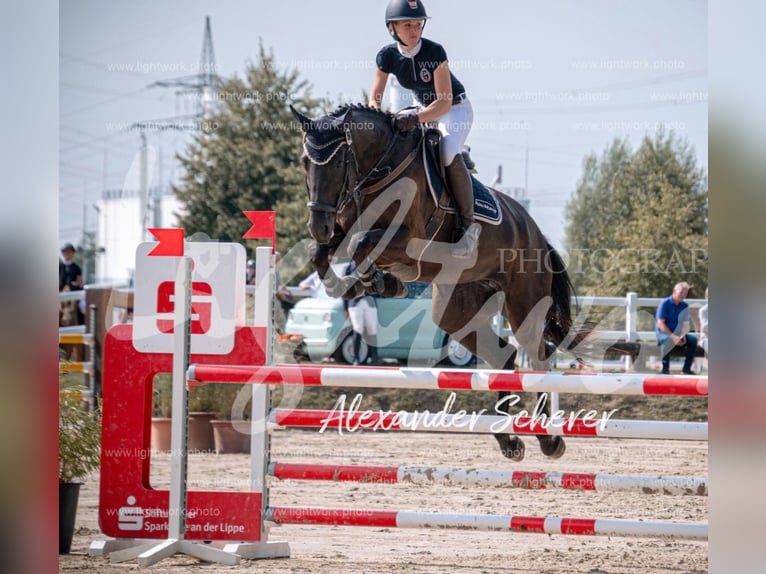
421	65
672	328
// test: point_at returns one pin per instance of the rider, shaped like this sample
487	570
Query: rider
421	65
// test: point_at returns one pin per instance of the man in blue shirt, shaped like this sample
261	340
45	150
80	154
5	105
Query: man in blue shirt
672	328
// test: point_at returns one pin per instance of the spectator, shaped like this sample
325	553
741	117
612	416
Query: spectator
672	328
70	274
250	272
70	277
363	314
311	283
703	325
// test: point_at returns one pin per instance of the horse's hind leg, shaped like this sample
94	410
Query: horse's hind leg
465	312
528	330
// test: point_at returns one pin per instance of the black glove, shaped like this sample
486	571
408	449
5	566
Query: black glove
406	122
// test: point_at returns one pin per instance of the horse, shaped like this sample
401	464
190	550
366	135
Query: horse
369	196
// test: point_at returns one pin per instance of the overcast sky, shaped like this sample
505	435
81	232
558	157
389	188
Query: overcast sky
560	79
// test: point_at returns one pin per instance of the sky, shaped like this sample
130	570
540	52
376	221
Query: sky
550	81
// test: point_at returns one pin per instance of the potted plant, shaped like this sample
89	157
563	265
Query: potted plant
79	455
162	399
230	431
201	409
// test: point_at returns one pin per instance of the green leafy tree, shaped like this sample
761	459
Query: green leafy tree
246	158
638	220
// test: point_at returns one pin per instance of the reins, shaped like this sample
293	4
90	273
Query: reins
358	190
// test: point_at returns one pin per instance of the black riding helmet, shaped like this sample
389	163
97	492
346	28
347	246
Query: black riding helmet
404	10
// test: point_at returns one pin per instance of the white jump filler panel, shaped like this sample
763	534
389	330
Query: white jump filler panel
218	297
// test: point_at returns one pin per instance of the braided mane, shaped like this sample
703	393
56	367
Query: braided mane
342	109
324	141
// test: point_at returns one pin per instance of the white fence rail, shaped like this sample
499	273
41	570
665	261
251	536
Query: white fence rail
632	303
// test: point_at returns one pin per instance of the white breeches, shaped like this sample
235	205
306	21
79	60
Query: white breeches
455	126
364	318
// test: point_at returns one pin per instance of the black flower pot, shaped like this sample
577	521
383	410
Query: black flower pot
69	493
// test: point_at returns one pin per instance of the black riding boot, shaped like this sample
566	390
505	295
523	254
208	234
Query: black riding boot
459	181
372	349
357	344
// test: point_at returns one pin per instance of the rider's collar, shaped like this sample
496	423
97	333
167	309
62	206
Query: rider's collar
410	53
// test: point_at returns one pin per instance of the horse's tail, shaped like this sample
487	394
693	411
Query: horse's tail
560	328
559	322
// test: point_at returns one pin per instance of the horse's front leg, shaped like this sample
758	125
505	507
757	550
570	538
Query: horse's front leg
366	248
320	256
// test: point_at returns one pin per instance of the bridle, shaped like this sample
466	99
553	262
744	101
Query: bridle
350	163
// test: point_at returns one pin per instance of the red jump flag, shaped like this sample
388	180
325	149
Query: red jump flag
170	242
264	226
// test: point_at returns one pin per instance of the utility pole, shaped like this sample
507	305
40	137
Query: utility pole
143	192
86	276
204	83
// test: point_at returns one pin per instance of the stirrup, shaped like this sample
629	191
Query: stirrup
466	246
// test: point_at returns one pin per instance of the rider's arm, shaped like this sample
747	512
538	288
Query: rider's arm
378	87
443	102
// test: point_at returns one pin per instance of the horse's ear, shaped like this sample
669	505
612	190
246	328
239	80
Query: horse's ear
342	122
305	122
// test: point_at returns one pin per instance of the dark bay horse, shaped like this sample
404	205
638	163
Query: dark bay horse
369	197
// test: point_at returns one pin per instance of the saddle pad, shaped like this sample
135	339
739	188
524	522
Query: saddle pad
485	205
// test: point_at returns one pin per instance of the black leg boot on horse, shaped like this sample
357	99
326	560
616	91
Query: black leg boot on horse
459	182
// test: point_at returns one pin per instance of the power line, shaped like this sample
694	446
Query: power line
579	108
92	90
134	40
102	103
614	86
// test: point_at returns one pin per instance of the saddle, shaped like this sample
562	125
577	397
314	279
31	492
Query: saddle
485	205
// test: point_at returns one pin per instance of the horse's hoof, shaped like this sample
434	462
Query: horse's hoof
389	285
352	288
553	447
512	447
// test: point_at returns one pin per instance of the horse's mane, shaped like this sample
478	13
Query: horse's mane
343	108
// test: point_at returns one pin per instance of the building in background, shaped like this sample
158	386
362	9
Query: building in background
121	225
124	215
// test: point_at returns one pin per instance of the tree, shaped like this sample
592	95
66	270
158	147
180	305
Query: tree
638	221
247	157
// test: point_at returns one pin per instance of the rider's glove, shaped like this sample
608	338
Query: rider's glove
406	122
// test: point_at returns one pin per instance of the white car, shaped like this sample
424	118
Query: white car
405	330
